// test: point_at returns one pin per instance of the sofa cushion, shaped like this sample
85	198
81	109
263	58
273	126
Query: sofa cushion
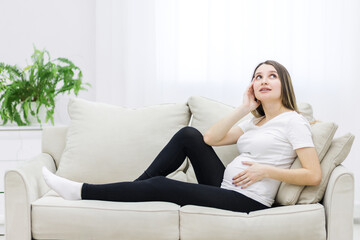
339	149
206	112
53	141
274	223
322	135
306	110
107	143
56	218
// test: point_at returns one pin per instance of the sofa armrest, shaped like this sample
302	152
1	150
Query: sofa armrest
23	186
339	204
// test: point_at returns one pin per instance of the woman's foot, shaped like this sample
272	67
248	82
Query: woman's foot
67	189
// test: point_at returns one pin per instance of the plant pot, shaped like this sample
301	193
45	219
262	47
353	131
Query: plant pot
42	115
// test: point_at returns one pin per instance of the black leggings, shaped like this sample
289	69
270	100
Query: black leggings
152	185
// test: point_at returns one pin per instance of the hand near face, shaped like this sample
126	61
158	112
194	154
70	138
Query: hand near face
249	98
251	175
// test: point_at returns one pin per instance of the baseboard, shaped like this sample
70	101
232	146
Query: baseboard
357	212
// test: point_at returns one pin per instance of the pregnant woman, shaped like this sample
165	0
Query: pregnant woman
268	144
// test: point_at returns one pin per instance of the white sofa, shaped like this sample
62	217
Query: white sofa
105	143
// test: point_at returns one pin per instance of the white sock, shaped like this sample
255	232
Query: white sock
67	189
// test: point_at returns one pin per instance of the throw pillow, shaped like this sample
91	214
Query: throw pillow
322	134
305	109
339	149
107	143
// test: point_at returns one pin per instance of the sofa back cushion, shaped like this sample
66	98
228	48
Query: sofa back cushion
338	151
53	141
107	143
322	135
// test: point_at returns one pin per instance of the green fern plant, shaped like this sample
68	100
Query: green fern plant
38	83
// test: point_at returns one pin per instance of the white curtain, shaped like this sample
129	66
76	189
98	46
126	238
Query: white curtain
154	51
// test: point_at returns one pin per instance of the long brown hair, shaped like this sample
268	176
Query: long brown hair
288	99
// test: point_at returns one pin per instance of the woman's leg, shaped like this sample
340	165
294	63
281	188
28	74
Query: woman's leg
154	189
164	189
189	142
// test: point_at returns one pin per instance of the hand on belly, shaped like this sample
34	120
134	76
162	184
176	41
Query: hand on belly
245	174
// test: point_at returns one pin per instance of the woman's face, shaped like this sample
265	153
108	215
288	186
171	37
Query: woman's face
267	84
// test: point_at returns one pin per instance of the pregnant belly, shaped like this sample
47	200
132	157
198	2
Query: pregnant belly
234	168
263	191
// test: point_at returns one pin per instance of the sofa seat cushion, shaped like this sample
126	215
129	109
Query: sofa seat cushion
56	218
274	223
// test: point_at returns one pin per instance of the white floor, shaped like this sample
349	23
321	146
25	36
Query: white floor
356	232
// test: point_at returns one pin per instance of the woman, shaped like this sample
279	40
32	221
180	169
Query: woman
268	144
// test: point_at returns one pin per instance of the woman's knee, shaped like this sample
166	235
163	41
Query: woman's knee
190	133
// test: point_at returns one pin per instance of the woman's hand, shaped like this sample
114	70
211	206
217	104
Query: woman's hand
249	98
254	173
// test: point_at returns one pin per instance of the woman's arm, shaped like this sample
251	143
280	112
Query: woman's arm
309	174
224	132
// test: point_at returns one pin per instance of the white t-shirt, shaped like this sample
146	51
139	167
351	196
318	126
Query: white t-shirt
273	144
